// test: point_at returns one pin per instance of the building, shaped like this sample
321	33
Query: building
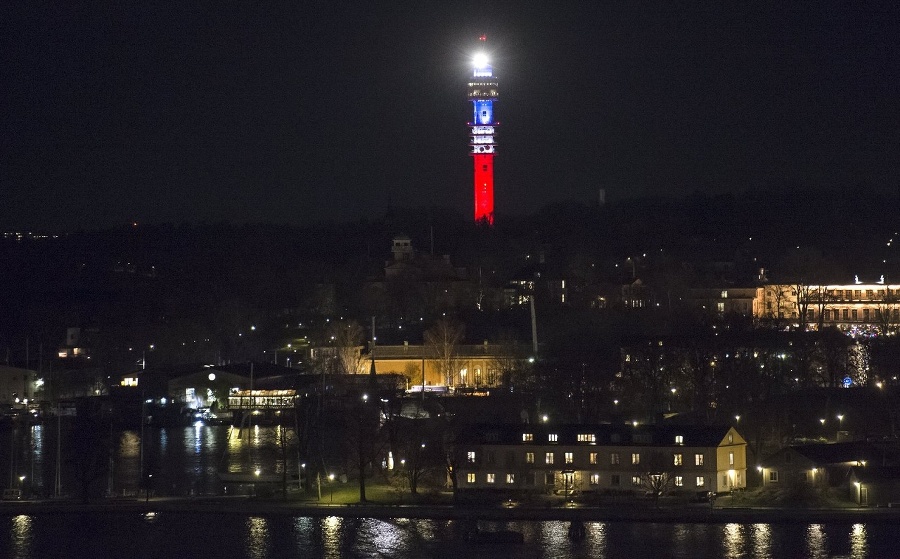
855	306
571	459
471	367
822	465
17	385
483	92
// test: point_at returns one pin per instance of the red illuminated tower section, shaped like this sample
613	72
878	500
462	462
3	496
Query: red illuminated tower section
483	90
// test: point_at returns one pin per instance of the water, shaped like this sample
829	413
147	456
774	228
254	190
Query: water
182	460
182	535
186	460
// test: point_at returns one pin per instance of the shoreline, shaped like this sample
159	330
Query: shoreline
273	507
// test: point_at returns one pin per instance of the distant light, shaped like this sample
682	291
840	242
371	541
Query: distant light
212	376
481	60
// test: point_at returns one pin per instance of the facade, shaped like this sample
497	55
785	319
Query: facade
572	459
17	385
483	92
472	366
849	307
822	465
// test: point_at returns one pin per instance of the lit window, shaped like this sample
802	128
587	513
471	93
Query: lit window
635	480
552	437
470	478
701	481
679	481
529	458
527	437
614	458
470	457
548	458
569	457
491	478
679	439
586	438
698	459
677	459
635	458
510	478
731	459
593	458
595	479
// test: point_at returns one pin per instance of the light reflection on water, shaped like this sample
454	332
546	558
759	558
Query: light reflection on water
265	537
258	545
859	547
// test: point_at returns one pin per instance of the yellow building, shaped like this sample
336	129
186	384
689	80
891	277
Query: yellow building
478	366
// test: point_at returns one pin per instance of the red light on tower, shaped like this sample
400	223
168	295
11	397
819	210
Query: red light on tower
483	91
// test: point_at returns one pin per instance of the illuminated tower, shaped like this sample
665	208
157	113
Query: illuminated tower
482	93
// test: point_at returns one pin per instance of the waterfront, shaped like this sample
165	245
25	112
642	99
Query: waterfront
186	534
182	460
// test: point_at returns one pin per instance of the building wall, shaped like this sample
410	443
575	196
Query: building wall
612	469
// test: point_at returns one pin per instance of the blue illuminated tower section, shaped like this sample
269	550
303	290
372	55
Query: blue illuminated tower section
483	90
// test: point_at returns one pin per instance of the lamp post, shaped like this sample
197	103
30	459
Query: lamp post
840	418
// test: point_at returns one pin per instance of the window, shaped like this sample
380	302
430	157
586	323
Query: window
527	437
677	459
698	459
595	479
635	480
845	314
866	315
491	478
529	478
635	458
470	457
731	459
679	481
855	314
552	437
470	478
773	475
490	456
529	458
593	458
548	458
510	478
614	458
679	439
569	458
586	438
548	479
614	479
701	481
730	438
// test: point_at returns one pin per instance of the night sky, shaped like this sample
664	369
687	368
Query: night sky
296	112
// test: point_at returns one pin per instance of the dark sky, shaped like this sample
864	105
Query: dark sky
293	112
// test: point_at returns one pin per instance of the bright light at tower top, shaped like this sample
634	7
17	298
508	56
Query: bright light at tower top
481	60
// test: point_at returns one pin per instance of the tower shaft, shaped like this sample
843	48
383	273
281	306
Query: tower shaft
483	92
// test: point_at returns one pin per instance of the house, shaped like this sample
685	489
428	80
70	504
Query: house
874	485
17	385
821	465
570	459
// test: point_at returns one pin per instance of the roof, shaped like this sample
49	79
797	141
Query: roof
830	453
603	434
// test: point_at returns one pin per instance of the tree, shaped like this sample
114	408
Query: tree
348	339
887	313
442	340
658	475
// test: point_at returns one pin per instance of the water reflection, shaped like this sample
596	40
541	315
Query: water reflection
331	537
733	542
762	541
257	538
859	547
21	536
816	541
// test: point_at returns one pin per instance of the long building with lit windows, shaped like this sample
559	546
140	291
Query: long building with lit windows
854	307
572	459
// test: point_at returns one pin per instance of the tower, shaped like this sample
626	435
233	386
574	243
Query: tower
482	93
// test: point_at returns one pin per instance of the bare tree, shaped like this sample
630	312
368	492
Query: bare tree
779	303
348	339
442	340
658	475
887	313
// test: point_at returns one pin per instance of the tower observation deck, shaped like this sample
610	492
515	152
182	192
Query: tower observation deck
482	92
